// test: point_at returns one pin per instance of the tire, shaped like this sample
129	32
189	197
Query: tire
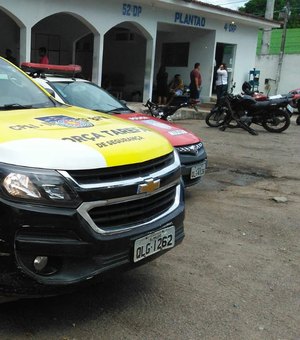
216	117
298	120
277	121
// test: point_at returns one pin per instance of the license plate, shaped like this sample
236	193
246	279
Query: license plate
153	243
198	170
290	108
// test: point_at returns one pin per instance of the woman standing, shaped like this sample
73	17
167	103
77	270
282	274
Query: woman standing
162	86
221	82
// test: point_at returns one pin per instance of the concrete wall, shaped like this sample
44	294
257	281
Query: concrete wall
290	72
170	20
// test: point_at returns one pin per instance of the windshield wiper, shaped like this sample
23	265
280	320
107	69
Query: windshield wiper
118	109
15	106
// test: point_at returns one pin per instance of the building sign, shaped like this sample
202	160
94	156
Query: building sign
230	27
131	10
189	19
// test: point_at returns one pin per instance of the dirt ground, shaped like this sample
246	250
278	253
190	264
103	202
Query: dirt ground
235	276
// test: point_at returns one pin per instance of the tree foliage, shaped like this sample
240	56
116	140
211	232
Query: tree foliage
258	7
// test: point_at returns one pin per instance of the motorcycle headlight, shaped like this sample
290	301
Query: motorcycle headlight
37	186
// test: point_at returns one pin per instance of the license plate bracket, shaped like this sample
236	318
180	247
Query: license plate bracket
198	170
153	243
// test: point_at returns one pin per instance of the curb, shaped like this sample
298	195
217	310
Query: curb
182	114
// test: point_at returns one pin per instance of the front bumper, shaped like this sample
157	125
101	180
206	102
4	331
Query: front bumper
75	252
193	166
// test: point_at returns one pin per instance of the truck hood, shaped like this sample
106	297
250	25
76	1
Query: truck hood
68	138
176	135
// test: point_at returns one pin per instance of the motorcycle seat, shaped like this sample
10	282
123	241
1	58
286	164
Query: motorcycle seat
278	102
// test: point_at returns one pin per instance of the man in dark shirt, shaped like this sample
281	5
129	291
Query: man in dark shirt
196	81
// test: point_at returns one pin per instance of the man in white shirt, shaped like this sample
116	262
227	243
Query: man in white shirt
221	82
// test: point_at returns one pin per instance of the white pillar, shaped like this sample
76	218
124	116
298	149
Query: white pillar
25	44
149	69
97	59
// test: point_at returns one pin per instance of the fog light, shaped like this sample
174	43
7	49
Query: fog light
40	262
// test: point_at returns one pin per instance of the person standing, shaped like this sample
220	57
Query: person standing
43	56
196	81
162	86
221	82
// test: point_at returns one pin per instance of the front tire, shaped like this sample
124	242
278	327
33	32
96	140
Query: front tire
216	117
277	121
298	120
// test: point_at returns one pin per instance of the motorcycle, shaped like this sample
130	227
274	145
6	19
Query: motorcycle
216	117
164	112
296	103
294	96
243	110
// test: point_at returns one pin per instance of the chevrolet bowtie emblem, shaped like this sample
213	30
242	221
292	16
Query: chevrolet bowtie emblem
149	186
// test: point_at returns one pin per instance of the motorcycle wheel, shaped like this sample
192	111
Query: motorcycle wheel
216	117
278	121
298	120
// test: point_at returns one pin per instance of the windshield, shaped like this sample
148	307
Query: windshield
19	92
87	95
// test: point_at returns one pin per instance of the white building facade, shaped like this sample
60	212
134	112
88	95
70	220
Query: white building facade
120	45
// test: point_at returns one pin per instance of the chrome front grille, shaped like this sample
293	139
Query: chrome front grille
119	199
137	211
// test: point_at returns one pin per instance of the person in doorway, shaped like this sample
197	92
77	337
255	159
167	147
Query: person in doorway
196	82
9	56
176	87
221	82
43	56
162	86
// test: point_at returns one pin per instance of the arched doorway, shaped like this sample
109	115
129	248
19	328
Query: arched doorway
10	35
84	49
68	40
124	61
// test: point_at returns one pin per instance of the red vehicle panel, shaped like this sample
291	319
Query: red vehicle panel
177	135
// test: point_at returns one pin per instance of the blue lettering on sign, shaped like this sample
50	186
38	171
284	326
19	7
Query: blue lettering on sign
131	10
189	19
230	27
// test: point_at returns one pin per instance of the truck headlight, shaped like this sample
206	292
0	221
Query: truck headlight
37	185
193	148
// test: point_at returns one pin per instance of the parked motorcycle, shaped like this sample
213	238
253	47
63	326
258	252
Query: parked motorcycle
243	110
296	103
184	97
216	117
164	112
294	96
